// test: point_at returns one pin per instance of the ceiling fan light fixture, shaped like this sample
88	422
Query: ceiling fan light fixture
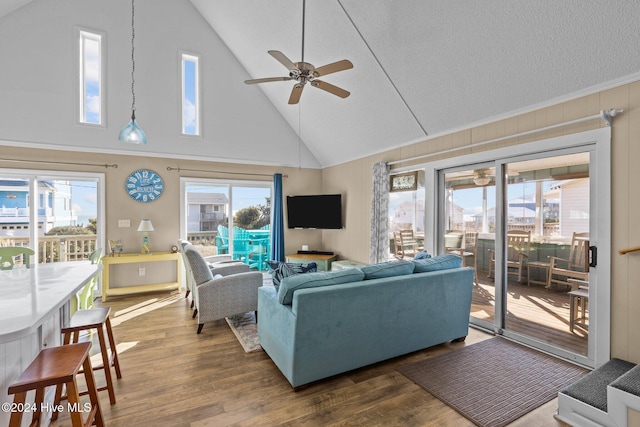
481	180
304	72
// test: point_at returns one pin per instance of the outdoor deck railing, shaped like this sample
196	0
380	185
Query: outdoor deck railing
59	248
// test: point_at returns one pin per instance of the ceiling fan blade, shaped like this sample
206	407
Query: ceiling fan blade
334	67
268	79
281	58
296	93
330	88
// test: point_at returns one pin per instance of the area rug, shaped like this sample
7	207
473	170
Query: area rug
493	382
245	328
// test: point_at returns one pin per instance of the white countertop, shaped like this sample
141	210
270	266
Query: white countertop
29	295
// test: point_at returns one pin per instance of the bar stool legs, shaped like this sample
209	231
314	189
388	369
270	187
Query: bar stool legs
57	366
98	319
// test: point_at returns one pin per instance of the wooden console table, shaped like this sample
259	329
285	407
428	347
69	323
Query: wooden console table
323	261
107	261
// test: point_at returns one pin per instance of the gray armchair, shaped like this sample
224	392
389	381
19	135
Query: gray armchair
217	298
213	261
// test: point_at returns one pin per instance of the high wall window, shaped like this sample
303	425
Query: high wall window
190	99
90	78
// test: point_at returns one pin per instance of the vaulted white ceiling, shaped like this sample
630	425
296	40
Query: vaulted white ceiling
421	68
424	66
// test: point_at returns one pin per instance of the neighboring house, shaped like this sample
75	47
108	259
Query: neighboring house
54	207
574	204
206	211
408	215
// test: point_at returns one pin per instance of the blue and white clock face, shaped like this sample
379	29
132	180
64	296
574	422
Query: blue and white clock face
144	185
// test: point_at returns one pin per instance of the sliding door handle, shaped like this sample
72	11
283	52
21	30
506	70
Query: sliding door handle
593	256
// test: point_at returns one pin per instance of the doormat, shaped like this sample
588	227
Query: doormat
245	329
493	382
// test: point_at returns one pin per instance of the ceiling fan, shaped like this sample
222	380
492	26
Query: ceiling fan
304	72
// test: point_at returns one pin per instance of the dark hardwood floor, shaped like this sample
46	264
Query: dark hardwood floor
174	377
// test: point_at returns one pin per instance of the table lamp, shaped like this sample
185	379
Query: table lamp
146	227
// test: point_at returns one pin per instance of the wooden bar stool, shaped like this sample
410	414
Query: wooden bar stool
85	320
57	366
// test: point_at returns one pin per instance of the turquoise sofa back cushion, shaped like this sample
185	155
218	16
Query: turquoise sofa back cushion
290	284
440	262
387	269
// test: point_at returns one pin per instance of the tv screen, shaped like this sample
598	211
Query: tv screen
315	211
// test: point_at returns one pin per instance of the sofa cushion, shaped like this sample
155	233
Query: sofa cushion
387	269
279	270
440	262
314	280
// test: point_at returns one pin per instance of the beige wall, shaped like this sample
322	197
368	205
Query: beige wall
164	212
354	180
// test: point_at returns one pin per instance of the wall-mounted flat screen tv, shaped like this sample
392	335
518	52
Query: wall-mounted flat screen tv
315	211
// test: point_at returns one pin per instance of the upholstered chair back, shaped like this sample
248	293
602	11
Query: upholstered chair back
199	267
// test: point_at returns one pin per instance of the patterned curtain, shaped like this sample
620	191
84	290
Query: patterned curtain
379	249
277	230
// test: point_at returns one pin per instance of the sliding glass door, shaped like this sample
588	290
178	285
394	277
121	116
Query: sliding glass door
228	217
531	224
57	214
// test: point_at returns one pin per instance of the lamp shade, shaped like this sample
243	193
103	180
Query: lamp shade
133	133
145	225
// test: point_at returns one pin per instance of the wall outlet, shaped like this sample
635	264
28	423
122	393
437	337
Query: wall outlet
141	271
124	223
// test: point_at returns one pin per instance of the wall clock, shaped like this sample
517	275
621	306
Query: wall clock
144	185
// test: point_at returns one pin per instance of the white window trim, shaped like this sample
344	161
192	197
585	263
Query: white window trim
194	57
80	34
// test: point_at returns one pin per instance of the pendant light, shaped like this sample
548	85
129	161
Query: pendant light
133	133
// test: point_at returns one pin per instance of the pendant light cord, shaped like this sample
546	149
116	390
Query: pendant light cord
133	61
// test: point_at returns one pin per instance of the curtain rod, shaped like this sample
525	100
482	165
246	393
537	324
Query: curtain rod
169	168
113	165
606	115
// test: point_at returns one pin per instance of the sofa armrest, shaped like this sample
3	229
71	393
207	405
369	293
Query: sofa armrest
229	269
276	330
228	295
218	258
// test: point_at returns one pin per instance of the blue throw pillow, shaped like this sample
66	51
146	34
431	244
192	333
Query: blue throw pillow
387	269
279	270
422	255
326	278
440	262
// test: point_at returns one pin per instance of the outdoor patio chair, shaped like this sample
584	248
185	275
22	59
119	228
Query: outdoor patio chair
518	245
83	300
222	239
406	244
468	250
9	253
575	267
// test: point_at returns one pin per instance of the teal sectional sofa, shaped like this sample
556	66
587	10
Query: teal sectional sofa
325	329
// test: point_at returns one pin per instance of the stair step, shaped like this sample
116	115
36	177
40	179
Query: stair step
629	382
592	388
